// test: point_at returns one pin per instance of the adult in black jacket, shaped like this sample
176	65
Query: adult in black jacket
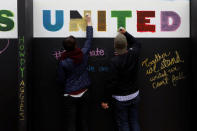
122	85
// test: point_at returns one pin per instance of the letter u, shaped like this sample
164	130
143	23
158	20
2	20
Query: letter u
47	20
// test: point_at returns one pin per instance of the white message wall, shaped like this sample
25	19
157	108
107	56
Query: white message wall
181	8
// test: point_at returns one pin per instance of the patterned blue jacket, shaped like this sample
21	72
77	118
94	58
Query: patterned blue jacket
75	77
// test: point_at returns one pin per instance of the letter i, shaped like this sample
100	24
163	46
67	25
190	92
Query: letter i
101	20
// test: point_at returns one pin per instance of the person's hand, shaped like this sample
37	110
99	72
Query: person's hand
104	105
122	30
88	20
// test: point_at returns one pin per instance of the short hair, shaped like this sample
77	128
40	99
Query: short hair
69	43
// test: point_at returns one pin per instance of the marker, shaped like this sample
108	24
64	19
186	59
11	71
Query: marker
87	15
121	28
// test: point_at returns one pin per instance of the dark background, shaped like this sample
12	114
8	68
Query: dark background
160	110
8	86
194	54
167	108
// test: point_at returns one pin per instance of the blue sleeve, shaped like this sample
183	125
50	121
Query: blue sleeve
60	74
88	42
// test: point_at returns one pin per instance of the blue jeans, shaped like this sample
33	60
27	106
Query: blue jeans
126	114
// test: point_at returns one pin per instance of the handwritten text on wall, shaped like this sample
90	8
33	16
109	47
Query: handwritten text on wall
164	69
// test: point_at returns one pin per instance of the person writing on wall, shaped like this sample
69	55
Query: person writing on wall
73	76
122	87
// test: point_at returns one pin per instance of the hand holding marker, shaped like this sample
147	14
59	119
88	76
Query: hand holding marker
88	19
122	30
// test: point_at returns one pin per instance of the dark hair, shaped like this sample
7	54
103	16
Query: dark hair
69	43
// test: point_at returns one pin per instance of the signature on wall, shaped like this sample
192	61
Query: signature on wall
4	44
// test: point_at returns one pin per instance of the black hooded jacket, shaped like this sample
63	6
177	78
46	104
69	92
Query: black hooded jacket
124	70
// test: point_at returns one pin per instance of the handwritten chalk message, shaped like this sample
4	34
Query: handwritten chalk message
4	44
98	52
94	54
101	68
164	69
143	19
22	100
21	78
